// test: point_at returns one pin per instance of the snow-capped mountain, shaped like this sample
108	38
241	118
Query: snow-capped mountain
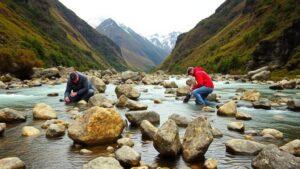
165	42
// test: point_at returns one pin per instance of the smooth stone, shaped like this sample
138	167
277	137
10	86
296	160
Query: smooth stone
243	147
110	149
180	120
82	102
55	130
216	133
147	129
228	109
8	115
136	117
262	105
292	147
128	156
208	109
103	163
251	95
128	91
125	141
53	94
101	101
12	163
242	116
273	132
98	84
157	101
85	151
47	123
134	105
236	126
42	111
211	164
169	84
28	131
182	91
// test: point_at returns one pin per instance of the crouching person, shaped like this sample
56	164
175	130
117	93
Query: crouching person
79	87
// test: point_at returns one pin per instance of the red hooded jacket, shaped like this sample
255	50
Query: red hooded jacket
202	78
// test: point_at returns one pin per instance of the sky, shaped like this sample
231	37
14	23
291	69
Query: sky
146	17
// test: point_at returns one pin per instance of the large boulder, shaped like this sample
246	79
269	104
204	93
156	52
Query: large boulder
288	84
128	91
128	156
197	138
42	111
169	84
55	130
251	95
273	132
292	147
136	117
251	73
228	109
2	128
97	126
28	131
50	73
98	84
262	76
103	163
12	163
166	140
130	75
2	85
180	120
101	101
272	158
11	116
294	105
183	91
243	147
147	129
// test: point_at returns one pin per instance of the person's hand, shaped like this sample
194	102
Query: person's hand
73	94
67	99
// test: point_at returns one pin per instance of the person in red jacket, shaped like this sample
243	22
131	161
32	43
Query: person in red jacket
204	85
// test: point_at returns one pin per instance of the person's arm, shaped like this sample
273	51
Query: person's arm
199	79
68	88
85	87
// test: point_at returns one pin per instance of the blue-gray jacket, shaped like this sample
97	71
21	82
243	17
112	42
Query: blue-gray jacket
81	87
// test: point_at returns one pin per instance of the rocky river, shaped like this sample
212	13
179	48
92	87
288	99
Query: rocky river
42	152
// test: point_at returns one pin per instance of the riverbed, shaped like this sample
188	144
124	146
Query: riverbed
43	153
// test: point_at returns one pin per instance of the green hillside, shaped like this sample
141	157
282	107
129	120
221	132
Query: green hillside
46	33
242	35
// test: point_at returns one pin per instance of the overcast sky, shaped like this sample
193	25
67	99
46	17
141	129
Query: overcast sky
146	17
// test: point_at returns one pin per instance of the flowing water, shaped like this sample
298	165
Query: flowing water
43	153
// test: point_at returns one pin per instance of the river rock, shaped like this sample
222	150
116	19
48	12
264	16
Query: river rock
12	163
294	105
2	128
147	129
197	139
292	147
288	84
180	120
55	130
276	86
251	73
8	115
125	141
46	124
251	95
2	85
128	156
183	91
157	101
208	109
262	76
242	116
42	111
136	117
134	105
50	72
212	97
52	94
272	158
243	147
96	127
190	82
228	109
130	75
30	131
35	83
240	90
166	140
262	105
85	151
273	132
211	164
236	126
216	133
98	84
128	91
101	101
103	163
170	84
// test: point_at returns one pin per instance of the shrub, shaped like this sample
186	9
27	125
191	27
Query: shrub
269	25
251	37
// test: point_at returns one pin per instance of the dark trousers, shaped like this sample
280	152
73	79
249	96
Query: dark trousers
84	96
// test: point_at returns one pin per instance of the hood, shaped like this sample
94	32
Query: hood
196	69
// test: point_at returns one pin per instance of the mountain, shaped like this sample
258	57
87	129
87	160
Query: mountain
165	42
240	36
45	32
139	52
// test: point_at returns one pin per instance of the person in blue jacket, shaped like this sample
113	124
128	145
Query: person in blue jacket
79	87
